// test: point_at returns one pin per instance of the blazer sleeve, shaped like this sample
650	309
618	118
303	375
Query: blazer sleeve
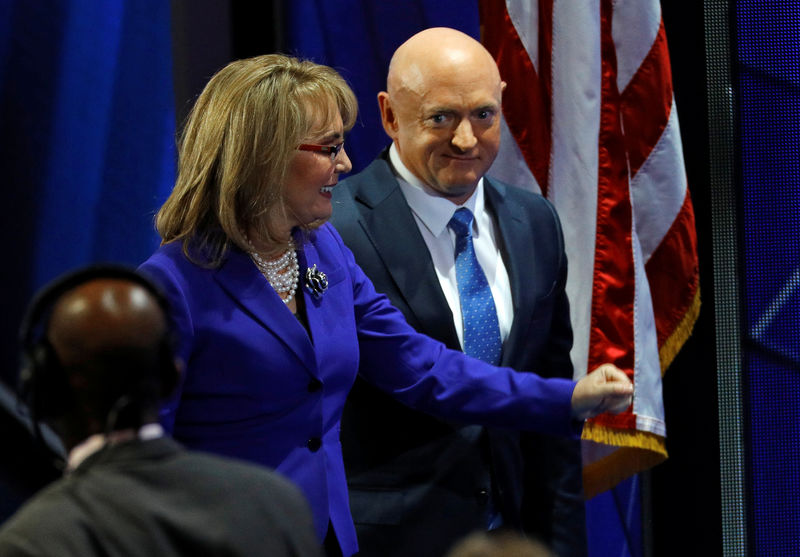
422	373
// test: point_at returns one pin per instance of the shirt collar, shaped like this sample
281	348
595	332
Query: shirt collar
95	442
431	208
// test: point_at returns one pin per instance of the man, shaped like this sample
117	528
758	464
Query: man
98	352
418	484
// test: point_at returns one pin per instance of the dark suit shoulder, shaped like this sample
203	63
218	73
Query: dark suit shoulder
529	200
344	208
51	519
171	496
367	188
236	472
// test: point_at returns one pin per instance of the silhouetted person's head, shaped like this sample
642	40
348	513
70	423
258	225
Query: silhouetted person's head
104	359
498	544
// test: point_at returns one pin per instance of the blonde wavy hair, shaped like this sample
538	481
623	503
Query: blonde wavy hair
235	149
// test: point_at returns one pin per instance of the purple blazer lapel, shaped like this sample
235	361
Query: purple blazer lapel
320	311
240	278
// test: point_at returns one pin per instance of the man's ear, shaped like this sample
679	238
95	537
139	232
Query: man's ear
388	116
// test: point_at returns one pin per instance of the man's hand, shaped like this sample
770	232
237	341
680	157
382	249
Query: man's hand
606	389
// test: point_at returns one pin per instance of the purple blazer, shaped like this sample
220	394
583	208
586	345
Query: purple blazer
256	387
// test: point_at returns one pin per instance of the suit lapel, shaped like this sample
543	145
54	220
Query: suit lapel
240	278
519	256
389	224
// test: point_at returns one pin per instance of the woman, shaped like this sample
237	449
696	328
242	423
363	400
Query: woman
274	314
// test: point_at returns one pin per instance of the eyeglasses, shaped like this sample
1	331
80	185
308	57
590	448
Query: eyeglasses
331	150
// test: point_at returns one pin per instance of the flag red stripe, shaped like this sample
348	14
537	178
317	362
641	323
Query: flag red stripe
526	100
611	330
647	102
673	273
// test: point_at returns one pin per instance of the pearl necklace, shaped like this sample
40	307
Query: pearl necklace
282	273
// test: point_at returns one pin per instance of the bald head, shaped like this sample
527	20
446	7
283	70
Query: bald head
439	54
102	315
442	110
109	335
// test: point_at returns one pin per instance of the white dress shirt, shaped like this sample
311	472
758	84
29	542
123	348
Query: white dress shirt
432	212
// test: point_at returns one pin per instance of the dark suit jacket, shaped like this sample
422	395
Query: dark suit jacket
417	483
153	498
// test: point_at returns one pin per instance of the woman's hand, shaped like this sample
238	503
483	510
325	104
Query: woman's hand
605	389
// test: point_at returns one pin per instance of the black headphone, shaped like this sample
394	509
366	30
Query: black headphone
43	384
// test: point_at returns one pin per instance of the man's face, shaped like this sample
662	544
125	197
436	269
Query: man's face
446	126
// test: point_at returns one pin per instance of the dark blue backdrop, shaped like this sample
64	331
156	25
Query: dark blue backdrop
87	118
768	52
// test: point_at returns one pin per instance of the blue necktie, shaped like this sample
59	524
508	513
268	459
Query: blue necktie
481	330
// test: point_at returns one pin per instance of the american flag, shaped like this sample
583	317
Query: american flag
590	118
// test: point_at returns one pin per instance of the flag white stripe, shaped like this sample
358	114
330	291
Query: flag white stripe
525	18
659	188
634	27
648	404
574	155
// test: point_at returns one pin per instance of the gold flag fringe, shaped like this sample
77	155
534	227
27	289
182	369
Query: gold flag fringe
635	451
674	342
638	451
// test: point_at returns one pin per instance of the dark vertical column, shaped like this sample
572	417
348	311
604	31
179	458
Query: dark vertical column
683	494
724	216
257	28
201	45
207	34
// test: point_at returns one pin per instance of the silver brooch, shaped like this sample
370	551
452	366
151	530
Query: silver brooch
316	281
